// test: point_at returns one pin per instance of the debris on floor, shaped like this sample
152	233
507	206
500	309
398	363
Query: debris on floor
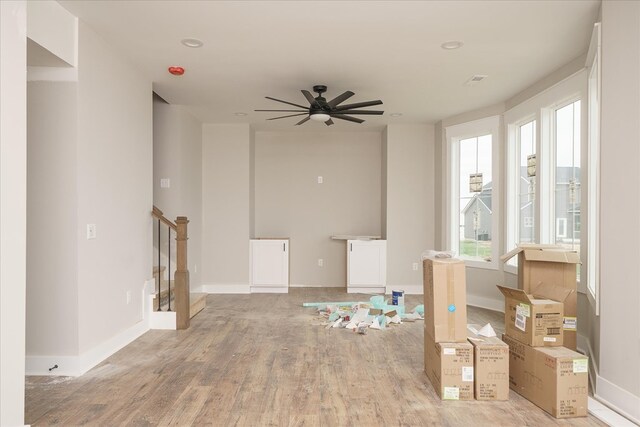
360	316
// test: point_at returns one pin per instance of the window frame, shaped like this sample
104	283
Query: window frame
454	134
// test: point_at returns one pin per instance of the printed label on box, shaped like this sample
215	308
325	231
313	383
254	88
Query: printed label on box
521	321
549	339
570	323
467	373
580	366
524	309
449	351
451	393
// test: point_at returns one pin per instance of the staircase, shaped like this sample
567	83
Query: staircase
197	301
172	296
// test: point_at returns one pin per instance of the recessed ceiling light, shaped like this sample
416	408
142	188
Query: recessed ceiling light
194	43
395	114
240	114
450	45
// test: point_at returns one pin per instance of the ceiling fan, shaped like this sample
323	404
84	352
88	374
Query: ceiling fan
321	110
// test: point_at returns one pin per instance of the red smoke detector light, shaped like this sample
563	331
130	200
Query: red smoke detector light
176	71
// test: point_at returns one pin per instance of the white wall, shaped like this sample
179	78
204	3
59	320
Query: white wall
177	150
225	205
13	209
410	195
52	223
619	381
289	201
114	185
53	28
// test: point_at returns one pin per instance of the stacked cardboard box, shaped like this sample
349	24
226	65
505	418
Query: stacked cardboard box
490	365
448	357
550	265
551	376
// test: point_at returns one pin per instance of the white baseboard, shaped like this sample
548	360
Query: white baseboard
365	290
618	399
484	302
74	366
317	286
225	289
269	289
162	320
607	415
408	289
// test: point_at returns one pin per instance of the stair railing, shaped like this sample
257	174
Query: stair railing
181	278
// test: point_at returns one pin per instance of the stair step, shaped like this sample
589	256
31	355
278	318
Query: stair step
198	303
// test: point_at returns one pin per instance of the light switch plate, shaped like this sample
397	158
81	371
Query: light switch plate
165	183
320	180
91	231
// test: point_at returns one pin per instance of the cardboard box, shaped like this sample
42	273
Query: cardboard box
449	367
553	265
490	366
445	299
533	321
554	378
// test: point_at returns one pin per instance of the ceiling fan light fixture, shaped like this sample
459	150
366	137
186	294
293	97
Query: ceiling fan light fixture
319	117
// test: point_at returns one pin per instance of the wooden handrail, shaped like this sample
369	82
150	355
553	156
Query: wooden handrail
157	213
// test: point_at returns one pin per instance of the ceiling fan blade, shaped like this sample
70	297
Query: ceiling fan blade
328	122
369	112
286	102
347	118
302	121
309	97
287	111
359	105
291	115
340	99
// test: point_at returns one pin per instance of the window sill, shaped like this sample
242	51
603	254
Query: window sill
479	264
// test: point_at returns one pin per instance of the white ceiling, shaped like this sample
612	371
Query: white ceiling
388	50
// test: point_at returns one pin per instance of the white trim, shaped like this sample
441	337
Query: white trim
162	320
77	365
366	290
607	415
626	403
408	289
52	74
269	289
317	286
485	302
218	288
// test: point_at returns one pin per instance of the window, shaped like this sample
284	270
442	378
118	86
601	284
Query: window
567	175
472	188
593	170
528	222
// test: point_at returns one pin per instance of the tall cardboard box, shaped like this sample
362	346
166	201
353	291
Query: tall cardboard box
553	265
532	321
490	365
449	367
445	299
554	378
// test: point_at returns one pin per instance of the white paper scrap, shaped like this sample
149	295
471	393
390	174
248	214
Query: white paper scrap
375	324
396	319
337	323
487	331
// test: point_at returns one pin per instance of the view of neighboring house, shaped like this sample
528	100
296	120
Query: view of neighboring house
477	212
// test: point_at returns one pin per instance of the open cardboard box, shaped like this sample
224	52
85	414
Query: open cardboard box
551	265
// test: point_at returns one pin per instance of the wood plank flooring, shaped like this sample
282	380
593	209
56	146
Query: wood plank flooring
262	360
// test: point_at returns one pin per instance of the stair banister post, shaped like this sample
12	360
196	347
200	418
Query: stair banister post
181	277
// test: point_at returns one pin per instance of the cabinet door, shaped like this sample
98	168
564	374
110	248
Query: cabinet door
367	263
269	263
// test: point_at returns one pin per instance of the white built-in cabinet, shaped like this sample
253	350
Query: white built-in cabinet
366	266
269	265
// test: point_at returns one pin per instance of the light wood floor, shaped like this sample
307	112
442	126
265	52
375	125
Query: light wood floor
261	360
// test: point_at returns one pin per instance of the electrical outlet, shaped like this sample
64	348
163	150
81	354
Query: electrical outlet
91	231
320	180
128	297
415	266
165	183
320	262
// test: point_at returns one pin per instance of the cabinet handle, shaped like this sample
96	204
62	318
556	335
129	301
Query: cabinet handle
351	247
284	247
